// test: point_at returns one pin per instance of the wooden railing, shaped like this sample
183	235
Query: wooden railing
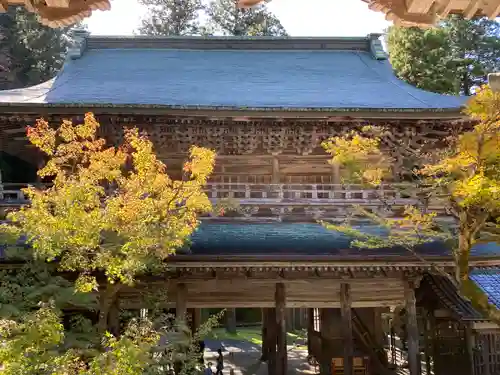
262	194
309	193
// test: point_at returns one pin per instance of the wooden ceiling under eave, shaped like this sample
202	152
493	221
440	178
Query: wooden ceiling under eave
423	13
59	13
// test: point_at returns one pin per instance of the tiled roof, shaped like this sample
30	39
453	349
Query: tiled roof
298	239
489	282
449	297
288	73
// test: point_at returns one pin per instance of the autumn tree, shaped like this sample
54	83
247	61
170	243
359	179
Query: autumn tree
171	17
464	178
111	211
454	57
225	18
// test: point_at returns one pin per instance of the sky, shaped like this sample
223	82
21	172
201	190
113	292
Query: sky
299	17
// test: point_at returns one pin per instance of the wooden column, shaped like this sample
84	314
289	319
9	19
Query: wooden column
328	320
231	320
181	301
310	329
271	341
265	336
469	341
195	319
281	351
427	343
346	312
412	328
276	177
336	173
114	317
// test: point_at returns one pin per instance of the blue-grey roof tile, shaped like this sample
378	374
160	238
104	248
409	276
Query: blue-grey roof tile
298	239
312	79
489	282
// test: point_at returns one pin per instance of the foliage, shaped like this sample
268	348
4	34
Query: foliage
31	53
218	17
171	17
33	346
22	289
464	178
113	210
36	346
454	57
227	19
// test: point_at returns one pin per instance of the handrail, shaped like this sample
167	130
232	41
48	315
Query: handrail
272	193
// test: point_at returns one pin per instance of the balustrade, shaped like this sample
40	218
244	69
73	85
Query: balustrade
261	194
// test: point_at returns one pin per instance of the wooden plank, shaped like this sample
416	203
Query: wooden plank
281	351
412	329
346	311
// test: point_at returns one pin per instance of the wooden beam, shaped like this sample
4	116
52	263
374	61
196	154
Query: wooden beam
181	301
412	329
281	357
346	304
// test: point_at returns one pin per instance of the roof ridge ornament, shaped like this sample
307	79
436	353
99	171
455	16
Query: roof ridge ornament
376	47
78	43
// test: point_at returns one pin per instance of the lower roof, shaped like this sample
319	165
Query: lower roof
488	280
300	239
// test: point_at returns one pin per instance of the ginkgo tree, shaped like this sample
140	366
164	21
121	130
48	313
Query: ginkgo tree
111	213
463	177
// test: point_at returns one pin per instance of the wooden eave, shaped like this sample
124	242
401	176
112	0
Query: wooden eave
422	13
324	261
58	13
245	114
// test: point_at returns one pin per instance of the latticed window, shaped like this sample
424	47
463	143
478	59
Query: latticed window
316	320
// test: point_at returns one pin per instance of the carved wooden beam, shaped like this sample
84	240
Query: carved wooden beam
59	13
421	13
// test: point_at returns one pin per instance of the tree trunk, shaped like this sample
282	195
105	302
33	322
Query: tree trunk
106	300
462	257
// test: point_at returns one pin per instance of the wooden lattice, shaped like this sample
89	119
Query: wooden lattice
487	354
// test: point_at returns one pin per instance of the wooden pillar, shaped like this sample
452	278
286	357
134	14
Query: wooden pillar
327	329
231	320
412	329
470	346
114	317
276	177
427	344
265	335
346	312
271	341
281	351
310	329
336	173
195	320
181	301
